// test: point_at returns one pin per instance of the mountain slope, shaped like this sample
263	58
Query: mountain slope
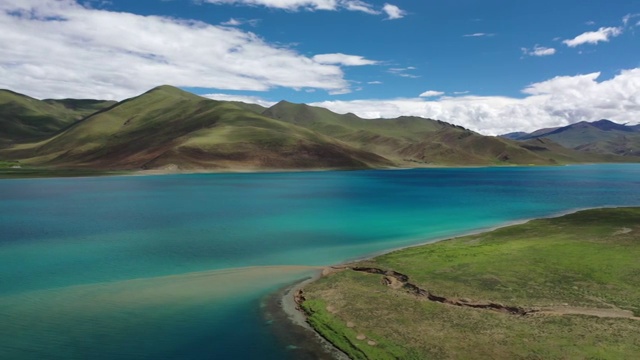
23	118
412	141
167	127
600	137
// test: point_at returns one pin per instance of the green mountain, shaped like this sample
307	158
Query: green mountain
600	137
23	118
413	141
167	128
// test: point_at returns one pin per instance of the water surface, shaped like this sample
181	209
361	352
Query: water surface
175	266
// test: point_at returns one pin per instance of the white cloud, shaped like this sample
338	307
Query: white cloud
58	48
555	102
292	5
339	92
357	5
393	12
343	59
374	82
594	37
480	34
314	5
628	17
403	72
232	22
539	51
431	93
239	22
243	98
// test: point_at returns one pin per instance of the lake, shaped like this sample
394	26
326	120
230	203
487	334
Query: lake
177	266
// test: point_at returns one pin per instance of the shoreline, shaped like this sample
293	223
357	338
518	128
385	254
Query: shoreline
468	233
297	317
291	328
161	172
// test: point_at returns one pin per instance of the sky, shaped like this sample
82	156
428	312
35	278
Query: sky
494	66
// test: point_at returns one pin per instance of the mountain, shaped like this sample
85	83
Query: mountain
514	135
170	128
23	118
600	137
167	128
409	141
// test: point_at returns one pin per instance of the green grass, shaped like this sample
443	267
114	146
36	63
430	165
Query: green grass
23	118
9	164
588	259
38	172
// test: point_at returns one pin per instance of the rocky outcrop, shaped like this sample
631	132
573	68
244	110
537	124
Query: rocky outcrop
299	298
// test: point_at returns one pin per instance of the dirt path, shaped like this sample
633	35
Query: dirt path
398	281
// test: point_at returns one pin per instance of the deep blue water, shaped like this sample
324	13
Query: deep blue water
122	266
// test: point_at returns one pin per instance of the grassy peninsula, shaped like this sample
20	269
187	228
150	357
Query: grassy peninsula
557	288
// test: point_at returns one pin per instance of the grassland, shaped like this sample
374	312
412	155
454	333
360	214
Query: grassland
35	172
23	118
578	274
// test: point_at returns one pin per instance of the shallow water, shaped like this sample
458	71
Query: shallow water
157	266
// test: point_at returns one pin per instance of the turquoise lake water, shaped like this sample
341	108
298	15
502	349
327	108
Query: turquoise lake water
175	266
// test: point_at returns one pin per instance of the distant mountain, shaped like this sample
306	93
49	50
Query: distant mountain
167	128
408	141
601	137
514	135
23	118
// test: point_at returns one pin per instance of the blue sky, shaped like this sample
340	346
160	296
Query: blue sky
494	66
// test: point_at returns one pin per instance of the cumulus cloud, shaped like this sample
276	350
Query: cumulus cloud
593	37
343	59
59	48
556	102
393	12
539	51
431	93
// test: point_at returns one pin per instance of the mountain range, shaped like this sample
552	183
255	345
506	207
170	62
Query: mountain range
168	128
600	137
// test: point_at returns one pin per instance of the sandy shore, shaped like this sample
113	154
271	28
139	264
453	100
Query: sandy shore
294	316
